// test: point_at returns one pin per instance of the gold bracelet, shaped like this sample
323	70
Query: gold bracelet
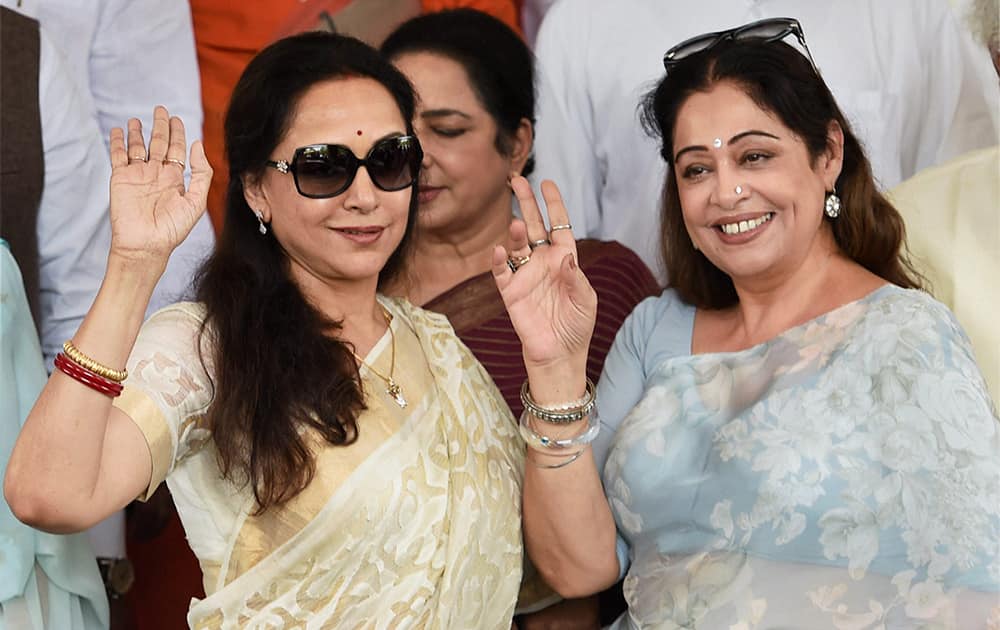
89	364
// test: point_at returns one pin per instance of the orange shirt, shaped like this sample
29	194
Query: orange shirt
228	34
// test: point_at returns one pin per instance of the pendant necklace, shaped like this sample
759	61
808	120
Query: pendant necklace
391	387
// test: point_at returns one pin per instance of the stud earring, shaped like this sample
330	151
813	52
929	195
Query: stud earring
832	205
260	219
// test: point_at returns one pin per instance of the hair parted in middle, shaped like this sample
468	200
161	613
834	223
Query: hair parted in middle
781	81
500	66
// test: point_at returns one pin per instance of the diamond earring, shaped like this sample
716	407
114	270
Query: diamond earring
832	205
260	219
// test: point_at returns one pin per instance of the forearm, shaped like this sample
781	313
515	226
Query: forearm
56	462
569	530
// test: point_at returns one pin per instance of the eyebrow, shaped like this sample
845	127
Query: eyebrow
733	140
441	113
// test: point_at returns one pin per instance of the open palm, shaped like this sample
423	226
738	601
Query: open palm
550	302
151	210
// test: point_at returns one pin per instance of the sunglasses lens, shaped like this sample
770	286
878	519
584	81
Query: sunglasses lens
393	163
323	170
688	48
769	31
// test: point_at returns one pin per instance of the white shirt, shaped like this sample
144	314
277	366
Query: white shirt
905	76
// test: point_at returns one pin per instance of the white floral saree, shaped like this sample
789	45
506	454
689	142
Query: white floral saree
416	525
844	475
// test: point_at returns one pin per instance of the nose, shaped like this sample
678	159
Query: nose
361	196
729	187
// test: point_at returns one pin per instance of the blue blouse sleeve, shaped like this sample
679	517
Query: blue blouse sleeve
659	328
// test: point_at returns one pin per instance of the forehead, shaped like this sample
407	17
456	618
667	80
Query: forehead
721	112
334	111
439	80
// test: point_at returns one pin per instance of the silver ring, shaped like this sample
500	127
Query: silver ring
538	243
175	161
516	262
561	226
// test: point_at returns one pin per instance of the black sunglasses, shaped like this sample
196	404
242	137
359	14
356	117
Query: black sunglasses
769	30
326	170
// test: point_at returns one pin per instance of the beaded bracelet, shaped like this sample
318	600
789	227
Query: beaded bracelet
569	460
544	443
74	354
94	381
559	414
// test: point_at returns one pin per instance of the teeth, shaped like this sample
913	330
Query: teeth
745	226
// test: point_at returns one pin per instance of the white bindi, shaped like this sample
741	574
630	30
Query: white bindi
717	143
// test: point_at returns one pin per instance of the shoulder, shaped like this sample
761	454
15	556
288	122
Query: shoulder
659	328
420	320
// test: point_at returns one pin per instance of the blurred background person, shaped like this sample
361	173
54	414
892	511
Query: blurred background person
904	73
952	214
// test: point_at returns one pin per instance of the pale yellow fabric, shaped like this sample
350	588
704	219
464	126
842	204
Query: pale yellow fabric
952	215
417	524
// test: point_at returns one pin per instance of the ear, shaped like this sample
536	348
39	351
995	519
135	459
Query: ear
253	192
524	141
831	161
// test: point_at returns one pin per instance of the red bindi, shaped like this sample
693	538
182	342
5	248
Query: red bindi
359	132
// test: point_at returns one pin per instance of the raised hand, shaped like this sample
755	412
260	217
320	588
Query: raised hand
549	300
151	211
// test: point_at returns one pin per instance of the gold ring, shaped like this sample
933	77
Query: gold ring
141	158
516	262
562	226
177	162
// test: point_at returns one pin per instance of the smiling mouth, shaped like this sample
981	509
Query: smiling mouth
740	227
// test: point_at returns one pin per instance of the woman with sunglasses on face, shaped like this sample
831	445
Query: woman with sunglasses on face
337	458
793	435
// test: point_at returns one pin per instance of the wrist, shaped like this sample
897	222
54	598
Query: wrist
558	383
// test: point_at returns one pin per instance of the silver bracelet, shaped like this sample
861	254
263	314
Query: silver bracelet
572	458
544	443
558	414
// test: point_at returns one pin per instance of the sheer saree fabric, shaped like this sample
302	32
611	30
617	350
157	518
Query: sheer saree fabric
845	474
415	525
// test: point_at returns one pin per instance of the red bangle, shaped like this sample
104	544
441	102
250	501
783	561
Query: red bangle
94	381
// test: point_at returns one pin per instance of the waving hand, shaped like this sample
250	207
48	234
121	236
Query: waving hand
151	210
549	300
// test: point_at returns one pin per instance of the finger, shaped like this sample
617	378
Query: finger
558	215
136	145
160	138
529	208
502	274
119	156
201	174
178	143
518	236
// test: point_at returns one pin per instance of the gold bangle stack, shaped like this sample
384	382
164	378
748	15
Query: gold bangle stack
89	364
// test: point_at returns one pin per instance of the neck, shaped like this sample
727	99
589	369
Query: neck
825	280
353	304
444	258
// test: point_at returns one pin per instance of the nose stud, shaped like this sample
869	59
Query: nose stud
739	190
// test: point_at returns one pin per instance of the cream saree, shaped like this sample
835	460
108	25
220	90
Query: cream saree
416	525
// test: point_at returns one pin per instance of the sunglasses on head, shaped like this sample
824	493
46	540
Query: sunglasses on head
769	30
326	170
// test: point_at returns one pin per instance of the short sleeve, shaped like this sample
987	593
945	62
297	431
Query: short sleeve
168	388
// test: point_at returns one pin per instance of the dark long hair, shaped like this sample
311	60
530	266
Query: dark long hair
781	81
500	67
278	368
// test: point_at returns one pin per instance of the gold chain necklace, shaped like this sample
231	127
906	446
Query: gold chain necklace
391	387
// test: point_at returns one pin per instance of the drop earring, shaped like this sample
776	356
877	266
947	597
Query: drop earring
832	205
260	219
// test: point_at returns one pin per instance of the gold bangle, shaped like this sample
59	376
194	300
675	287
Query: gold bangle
89	364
